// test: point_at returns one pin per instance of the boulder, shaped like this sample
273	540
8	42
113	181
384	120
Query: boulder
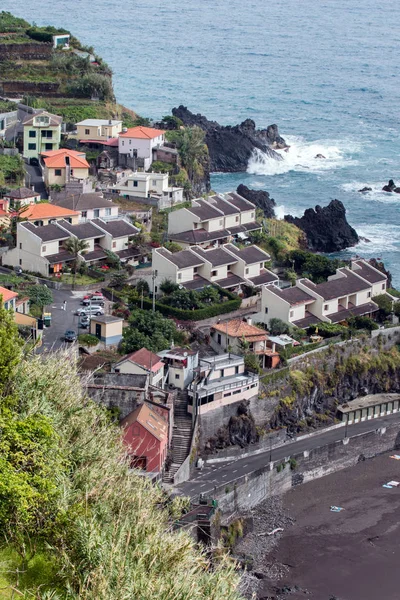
326	229
365	189
320	156
260	198
230	148
390	187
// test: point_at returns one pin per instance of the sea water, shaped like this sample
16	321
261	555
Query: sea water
326	72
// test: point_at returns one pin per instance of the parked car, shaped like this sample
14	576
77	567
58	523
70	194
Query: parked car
34	162
88	301
84	322
90	310
70	336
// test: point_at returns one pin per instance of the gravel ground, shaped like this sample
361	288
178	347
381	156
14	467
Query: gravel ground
323	555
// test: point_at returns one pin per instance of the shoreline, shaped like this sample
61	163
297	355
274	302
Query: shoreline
354	553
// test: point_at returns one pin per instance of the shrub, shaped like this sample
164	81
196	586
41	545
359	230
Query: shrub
87	339
327	330
362	323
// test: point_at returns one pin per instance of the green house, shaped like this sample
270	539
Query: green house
42	133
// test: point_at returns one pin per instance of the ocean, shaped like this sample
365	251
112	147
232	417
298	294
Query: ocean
326	72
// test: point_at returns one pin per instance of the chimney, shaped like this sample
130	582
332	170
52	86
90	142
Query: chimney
110	122
249	321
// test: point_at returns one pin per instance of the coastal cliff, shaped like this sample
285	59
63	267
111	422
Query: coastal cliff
230	148
260	198
326	228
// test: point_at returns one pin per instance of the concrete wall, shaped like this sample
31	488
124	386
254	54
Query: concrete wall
251	489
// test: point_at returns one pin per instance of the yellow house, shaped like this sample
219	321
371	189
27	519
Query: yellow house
107	328
62	166
98	130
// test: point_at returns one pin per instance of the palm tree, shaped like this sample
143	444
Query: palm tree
76	247
192	151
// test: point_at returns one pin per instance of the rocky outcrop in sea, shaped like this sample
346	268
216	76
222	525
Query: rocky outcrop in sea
326	228
260	198
230	148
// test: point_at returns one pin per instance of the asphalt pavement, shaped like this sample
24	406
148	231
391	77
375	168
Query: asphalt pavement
34	178
215	475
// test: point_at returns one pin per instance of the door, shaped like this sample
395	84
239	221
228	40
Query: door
98	330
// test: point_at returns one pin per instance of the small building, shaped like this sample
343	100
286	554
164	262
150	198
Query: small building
63	166
240	335
5	219
7	120
9	298
107	328
22	197
142	362
145	434
42	133
45	213
150	186
89	206
139	144
221	380
98	130
61	41
368	407
179	366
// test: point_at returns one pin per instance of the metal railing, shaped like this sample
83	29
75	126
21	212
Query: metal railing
209	388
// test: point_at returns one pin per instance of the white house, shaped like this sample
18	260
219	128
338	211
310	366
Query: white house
349	292
222	380
90	206
179	366
150	185
140	142
142	362
213	221
7	120
98	130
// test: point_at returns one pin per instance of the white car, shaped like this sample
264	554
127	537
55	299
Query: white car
90	310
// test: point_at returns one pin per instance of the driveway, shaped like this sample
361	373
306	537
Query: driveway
34	178
53	336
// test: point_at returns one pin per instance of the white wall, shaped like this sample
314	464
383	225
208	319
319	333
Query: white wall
180	220
214	224
185	275
247	216
277	308
232	220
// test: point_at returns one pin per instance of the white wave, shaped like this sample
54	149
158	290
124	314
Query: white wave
374	194
301	156
279	212
382	238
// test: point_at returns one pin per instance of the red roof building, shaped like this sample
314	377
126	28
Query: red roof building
146	438
142	362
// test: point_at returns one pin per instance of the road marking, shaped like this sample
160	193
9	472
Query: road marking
224	475
204	485
235	471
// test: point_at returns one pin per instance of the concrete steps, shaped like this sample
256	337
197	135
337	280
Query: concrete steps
181	436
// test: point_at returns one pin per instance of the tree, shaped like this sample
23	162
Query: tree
192	151
113	259
76	247
10	346
119	279
209	295
40	295
168	286
148	330
252	363
142	287
277	327
385	305
173	247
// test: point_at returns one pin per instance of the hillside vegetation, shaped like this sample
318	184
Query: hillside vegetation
74	522
74	83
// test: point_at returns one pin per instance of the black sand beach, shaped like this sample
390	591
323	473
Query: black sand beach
351	555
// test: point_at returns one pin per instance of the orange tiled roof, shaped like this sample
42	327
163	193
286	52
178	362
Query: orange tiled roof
7	294
144	358
55	159
3	213
46	210
239	328
149	419
142	133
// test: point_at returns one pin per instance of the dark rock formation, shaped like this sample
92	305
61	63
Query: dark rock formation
365	189
241	430
326	229
378	264
320	156
230	148
390	187
260	198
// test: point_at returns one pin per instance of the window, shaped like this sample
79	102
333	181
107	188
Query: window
222	372
114	244
96	213
87	131
253	215
177	376
20	261
32	134
57	172
227	394
135	183
219	338
236	392
247	271
72	171
179	275
48	146
31	146
195	225
84	214
253	385
237	219
236	369
214	273
154	182
43	248
130	142
20	246
369	295
383	285
108	212
326	306
221	222
291	314
123	143
195	270
266	310
47	134
261	265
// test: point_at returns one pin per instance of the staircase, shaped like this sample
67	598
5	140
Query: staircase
181	435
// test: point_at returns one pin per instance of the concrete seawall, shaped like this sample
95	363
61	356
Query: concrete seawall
278	477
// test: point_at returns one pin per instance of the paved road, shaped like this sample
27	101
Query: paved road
34	178
224	473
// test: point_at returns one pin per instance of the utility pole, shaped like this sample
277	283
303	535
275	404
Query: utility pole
141	302
153	277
